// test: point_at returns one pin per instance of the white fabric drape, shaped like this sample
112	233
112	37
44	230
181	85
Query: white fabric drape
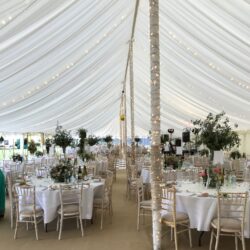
65	61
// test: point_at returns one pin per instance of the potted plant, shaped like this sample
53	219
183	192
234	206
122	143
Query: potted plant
63	139
39	153
204	152
32	147
25	143
92	140
108	139
164	138
1	139
171	161
48	144
17	157
137	140
83	135
216	133
235	154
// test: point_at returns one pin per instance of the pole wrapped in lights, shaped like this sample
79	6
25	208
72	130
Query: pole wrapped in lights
132	111
155	123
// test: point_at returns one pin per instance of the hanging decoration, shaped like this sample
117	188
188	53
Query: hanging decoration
122	117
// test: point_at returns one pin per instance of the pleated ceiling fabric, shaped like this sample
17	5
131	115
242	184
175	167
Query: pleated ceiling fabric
65	61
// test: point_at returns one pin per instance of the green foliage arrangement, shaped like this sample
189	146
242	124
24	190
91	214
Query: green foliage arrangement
108	139
137	140
39	153
171	160
216	133
204	152
235	154
17	157
83	135
48	144
63	139
1	139
164	138
93	140
32	147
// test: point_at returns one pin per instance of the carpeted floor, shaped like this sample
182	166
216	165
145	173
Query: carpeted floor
120	234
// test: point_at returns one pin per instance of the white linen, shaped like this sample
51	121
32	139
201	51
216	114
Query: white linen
201	210
65	60
49	200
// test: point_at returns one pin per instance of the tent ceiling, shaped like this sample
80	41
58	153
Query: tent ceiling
65	61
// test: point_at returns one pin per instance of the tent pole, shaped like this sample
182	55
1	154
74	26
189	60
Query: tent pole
121	133
155	122
122	126
132	112
125	76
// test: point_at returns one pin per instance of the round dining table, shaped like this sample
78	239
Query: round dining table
200	203
47	196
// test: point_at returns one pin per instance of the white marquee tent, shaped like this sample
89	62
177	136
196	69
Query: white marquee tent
65	60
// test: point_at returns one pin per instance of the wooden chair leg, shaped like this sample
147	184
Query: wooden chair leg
217	239
35	224
243	241
11	217
175	238
236	241
211	239
190	237
60	230
138	218
80	220
102	219
15	234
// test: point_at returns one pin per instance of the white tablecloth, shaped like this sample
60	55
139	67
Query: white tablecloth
49	200
201	210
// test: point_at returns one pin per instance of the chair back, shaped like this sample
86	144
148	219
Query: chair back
26	198
140	190
168	202
42	172
232	205
70	195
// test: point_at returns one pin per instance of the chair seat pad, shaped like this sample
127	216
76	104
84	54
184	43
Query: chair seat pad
69	210
227	224
28	212
168	217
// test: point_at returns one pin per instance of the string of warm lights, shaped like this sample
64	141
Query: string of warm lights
216	102
67	67
12	14
155	123
241	83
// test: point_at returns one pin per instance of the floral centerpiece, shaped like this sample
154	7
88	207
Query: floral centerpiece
62	171
213	177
